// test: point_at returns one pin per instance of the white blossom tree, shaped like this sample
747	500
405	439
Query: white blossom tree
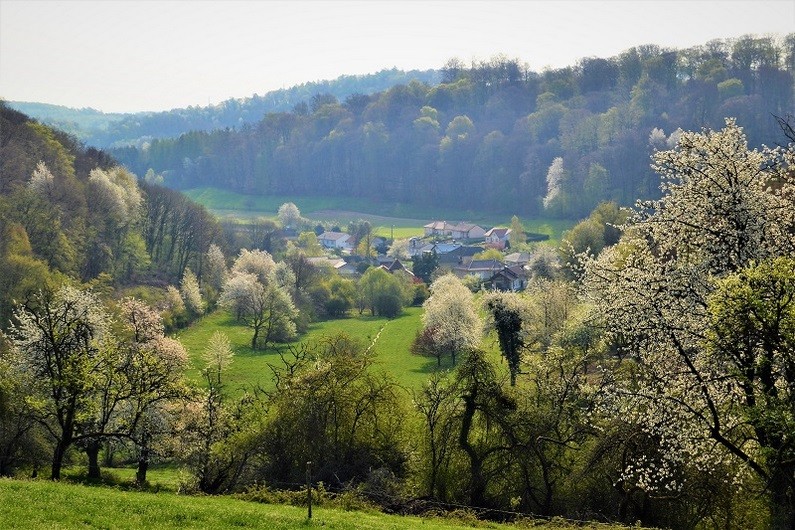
289	215
64	343
451	318
724	209
42	181
191	293
257	262
266	308
215	270
556	179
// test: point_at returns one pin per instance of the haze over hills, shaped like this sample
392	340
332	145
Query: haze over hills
494	136
491	135
100	129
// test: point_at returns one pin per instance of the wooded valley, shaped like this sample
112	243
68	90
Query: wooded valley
641	369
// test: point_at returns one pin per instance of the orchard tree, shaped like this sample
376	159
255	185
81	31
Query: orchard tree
450	314
289	215
215	270
690	294
266	308
191	293
383	293
64	345
153	366
517	236
257	262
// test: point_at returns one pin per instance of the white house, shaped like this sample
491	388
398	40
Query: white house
497	237
336	240
455	231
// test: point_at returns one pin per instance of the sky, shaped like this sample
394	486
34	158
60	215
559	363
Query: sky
146	55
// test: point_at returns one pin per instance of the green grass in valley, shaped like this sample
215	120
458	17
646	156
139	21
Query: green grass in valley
390	340
43	504
407	220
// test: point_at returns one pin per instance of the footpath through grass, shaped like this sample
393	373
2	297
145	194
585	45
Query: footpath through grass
390	342
43	504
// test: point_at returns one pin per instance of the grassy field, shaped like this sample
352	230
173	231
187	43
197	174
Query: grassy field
391	349
43	504
407	220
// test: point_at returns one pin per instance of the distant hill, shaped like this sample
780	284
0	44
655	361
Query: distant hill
103	130
494	136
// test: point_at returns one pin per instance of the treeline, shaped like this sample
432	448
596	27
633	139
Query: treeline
494	135
108	129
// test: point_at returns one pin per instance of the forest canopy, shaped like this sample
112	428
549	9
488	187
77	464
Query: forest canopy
494	135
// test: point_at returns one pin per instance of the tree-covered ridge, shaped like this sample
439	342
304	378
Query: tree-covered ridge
494	135
118	129
71	213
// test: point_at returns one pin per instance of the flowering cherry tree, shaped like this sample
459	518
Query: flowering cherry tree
450	314
669	293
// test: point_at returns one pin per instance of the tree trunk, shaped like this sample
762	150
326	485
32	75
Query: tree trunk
143	460
477	492
143	466
57	459
254	338
92	452
782	500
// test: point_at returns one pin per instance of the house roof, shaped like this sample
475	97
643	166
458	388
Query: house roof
498	232
484	265
442	248
457	227
512	273
436	225
324	261
517	257
463	227
396	265
334	236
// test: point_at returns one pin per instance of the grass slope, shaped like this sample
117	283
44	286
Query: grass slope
391	347
250	368
43	504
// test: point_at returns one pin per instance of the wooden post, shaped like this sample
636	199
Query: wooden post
309	489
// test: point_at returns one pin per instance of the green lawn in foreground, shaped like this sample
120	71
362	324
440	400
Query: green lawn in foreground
250	367
43	504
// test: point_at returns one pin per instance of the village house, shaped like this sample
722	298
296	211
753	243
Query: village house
484	269
336	240
339	265
397	267
497	237
517	258
455	231
513	278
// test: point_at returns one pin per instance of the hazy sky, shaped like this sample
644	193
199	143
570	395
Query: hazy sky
121	56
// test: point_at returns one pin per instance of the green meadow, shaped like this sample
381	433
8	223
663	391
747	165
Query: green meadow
387	218
41	504
389	341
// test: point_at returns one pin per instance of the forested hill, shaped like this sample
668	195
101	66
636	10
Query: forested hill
102	130
71	213
495	136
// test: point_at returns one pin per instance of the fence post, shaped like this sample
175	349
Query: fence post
309	489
